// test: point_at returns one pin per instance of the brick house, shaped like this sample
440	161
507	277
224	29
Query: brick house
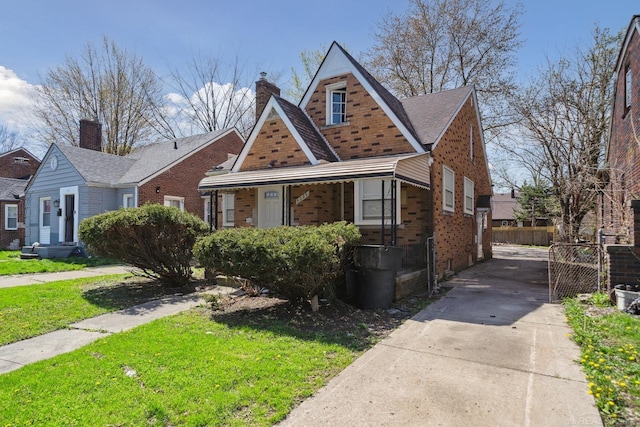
74	183
618	213
16	168
402	170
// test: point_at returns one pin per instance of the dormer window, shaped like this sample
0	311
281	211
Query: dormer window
336	103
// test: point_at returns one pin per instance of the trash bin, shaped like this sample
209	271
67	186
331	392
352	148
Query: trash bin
376	266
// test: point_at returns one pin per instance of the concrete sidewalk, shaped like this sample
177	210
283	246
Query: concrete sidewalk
40	278
16	355
492	352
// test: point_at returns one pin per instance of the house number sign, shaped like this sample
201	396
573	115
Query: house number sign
270	194
301	198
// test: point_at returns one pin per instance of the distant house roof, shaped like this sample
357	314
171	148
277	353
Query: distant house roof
503	206
142	164
16	150
11	189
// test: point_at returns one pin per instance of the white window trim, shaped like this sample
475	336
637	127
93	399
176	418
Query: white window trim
6	217
168	199
469	187
628	88
205	216
446	208
226	197
330	89
357	187
124	200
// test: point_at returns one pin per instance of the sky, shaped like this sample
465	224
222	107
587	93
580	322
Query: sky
37	35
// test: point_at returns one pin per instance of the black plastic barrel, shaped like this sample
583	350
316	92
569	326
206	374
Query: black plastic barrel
376	265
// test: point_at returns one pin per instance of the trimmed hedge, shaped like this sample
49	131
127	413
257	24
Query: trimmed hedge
154	238
295	262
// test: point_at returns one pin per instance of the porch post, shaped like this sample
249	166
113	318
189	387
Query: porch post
288	205
284	202
213	219
394	223
382	212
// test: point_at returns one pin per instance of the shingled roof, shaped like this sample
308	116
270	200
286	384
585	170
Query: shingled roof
143	163
11	188
309	133
432	113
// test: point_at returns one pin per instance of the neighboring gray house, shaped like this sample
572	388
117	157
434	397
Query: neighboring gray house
74	183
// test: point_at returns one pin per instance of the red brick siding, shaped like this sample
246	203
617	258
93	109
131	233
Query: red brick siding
8	236
455	232
623	151
10	169
182	180
369	131
276	143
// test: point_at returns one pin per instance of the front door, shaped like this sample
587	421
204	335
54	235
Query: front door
44	221
69	217
270	207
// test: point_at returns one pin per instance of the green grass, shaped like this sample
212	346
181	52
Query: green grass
28	311
10	263
185	370
609	341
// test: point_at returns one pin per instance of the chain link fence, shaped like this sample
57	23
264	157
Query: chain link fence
573	269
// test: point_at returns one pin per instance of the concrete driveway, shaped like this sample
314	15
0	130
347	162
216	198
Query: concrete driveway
492	352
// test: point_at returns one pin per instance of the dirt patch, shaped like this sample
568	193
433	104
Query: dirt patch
334	321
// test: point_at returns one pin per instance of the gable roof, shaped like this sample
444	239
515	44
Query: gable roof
144	163
431	114
634	25
11	187
503	206
337	61
19	149
309	133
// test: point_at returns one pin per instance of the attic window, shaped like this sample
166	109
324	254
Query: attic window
20	160
337	103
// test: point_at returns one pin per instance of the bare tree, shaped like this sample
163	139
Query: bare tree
9	140
211	96
445	44
564	114
110	85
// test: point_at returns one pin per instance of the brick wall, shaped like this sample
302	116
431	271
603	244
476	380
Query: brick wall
623	152
455	232
182	180
274	143
8	236
623	261
369	131
11	165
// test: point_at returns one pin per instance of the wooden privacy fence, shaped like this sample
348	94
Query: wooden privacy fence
533	236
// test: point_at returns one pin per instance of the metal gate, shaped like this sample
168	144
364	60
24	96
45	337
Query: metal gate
573	269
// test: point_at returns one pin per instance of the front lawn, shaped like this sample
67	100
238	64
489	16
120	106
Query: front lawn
28	311
10	263
609	341
182	370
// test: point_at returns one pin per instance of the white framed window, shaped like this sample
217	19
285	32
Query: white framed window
369	201
127	201
207	210
11	217
448	194
627	88
173	201
228	209
336	103
468	196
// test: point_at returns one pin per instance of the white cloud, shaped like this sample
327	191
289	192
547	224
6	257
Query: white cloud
15	97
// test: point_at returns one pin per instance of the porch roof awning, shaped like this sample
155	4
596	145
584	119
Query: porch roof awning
412	169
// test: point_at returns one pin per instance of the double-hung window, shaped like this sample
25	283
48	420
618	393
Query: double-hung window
228	210
336	103
468	196
627	88
11	217
448	194
127	201
371	204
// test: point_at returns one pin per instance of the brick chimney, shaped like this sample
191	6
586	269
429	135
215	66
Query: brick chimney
90	135
264	90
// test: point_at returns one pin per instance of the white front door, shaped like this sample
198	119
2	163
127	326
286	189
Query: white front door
270	207
44	222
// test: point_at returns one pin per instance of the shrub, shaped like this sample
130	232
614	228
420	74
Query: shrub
295	262
156	239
